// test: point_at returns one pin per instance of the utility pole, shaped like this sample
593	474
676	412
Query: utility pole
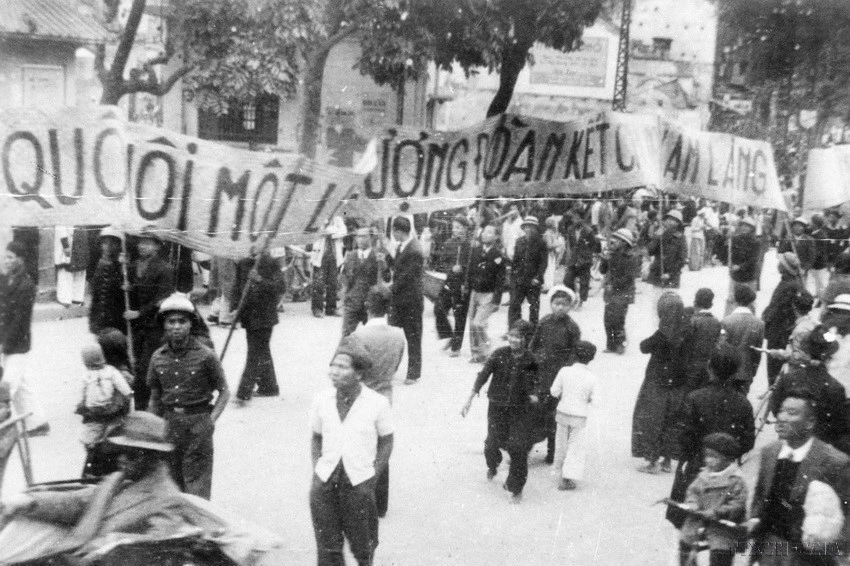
621	79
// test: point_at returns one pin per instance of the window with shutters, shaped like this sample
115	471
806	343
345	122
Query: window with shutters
248	122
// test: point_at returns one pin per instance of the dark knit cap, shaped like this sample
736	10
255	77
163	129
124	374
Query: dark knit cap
722	443
724	362
704	298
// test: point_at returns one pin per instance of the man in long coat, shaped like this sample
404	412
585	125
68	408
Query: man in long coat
360	272
407	299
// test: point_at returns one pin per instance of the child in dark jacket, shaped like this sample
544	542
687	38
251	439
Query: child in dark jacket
512	396
719	493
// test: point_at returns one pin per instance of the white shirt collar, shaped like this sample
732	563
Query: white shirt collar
403	244
795	454
363	254
377	321
742	310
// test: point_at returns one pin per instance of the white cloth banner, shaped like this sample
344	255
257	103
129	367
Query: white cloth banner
827	178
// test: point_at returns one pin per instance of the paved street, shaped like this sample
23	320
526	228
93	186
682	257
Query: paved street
442	508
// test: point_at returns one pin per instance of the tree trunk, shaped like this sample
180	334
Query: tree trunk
512	64
311	102
113	78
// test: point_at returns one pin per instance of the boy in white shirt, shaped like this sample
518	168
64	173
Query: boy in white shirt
575	385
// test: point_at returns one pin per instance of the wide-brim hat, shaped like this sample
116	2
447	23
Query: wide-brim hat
110	232
840	303
749	221
144	430
800	220
531	221
625	235
790	263
675	215
562	289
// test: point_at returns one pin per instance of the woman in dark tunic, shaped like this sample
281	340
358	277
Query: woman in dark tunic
107	297
656	420
717	407
779	318
553	345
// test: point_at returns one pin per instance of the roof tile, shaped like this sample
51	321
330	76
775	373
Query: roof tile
51	19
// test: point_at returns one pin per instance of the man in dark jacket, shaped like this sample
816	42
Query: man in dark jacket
407	298
801	243
706	333
620	266
582	245
527	270
779	318
151	281
258	318
17	298
717	407
669	251
360	272
453	260
744	331
485	282
107	297
744	259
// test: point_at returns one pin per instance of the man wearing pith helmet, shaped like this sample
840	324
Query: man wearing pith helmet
189	390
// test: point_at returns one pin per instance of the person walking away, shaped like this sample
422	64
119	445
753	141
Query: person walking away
184	377
223	279
151	281
814	378
706	332
719	493
71	258
697	249
794	353
360	272
107	295
743	260
719	407
788	470
556	245
818	276
352	443
779	318
583	247
744	331
553	345
485	282
656	420
453	261
407	299
105	398
17	299
669	252
326	257
386	346
512	371
575	387
259	317
527	270
619	265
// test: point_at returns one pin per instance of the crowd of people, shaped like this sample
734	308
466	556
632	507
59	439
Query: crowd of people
151	351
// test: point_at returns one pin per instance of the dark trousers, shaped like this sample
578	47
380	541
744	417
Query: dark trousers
616	308
719	557
774	366
146	341
342	511
520	293
382	492
408	317
458	303
325	283
259	366
507	428
352	315
582	273
192	459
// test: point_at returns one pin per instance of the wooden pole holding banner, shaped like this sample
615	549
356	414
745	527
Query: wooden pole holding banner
125	274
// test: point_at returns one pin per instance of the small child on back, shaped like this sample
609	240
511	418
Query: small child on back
718	493
104	399
575	385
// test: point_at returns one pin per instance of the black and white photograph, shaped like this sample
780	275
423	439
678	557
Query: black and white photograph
425	282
